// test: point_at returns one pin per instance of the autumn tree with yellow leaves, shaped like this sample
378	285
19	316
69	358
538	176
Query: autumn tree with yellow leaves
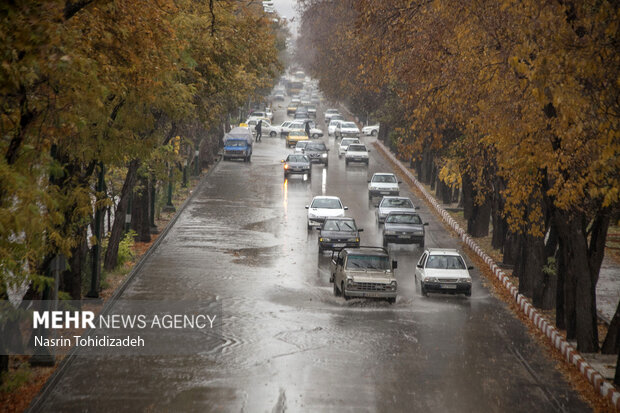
520	98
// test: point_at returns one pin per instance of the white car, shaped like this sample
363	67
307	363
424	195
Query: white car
371	130
442	270
323	207
344	144
393	204
269	114
332	126
266	128
383	183
346	130
301	125
356	152
329	113
284	125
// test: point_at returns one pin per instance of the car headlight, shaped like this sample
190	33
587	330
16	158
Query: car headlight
353	240
419	232
431	279
311	215
324	239
389	232
464	280
350	282
324	155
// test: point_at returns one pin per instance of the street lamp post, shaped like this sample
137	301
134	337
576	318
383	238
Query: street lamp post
197	166
96	266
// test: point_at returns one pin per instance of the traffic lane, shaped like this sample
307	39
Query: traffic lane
287	341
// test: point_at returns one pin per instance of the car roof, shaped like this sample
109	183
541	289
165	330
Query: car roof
378	251
443	251
403	213
339	219
325	197
383	173
394	197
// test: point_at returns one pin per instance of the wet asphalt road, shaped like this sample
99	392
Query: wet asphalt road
289	344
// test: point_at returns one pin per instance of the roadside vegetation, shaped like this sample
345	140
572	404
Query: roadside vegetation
104	103
509	109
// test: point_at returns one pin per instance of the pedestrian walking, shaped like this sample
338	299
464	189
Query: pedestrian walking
308	129
259	127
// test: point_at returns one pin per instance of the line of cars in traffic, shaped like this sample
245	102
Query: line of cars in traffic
368	271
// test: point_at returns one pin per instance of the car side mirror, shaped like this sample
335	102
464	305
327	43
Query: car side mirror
345	208
471	267
367	150
400	182
426	224
318	228
360	230
419	265
394	264
368	181
307	206
303	151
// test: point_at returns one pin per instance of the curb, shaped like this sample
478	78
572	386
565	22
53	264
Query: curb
603	387
37	403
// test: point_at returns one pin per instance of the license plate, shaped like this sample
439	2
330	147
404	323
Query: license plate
384	192
339	245
449	286
404	236
297	169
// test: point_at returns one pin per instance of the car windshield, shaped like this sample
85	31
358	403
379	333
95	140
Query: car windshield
403	219
337	117
235	143
331	111
349	141
368	262
445	262
348	125
396	203
357	148
339	225
334	122
316	146
297	158
301	145
327	203
285	124
384	178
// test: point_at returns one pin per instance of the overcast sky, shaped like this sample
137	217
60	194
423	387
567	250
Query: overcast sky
287	8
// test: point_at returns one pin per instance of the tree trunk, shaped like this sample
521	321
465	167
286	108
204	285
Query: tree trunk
140	210
511	248
560	310
500	226
579	285
434	179
478	222
111	254
617	376
71	279
426	167
611	345
467	196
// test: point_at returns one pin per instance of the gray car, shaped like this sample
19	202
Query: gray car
393	204
338	233
316	151
403	228
297	164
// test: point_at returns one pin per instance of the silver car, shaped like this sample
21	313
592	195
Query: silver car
393	204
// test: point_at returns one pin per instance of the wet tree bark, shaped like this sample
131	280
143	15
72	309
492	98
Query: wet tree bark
581	263
426	170
71	279
140	210
111	254
611	345
500	226
511	248
560	309
467	196
478	222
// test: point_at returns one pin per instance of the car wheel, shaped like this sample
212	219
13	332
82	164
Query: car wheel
421	244
336	292
373	132
346	162
385	243
391	300
315	136
344	293
272	134
320	249
423	292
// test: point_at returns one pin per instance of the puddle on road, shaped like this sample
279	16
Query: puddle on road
253	257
